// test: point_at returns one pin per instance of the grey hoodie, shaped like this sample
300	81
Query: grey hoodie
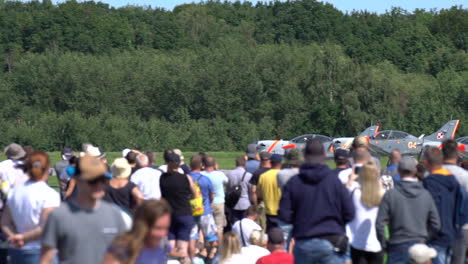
410	213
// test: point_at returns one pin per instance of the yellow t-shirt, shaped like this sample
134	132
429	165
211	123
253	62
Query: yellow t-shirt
271	193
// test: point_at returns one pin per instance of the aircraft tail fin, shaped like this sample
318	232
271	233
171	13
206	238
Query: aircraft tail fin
447	131
370	131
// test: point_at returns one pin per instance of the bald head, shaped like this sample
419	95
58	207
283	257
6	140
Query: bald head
395	156
361	155
210	162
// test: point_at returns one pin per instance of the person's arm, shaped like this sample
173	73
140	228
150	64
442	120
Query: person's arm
286	209
71	188
192	186
383	219
47	255
347	205
8	227
137	195
253	194
35	233
109	258
433	220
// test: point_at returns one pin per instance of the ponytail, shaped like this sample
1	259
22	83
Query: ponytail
37	165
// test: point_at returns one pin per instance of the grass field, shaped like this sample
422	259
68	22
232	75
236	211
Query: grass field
225	160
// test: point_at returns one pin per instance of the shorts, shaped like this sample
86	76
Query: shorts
181	226
219	217
207	225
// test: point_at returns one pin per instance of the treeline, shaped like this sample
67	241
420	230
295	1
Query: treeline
216	76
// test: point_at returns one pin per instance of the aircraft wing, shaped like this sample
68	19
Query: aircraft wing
377	151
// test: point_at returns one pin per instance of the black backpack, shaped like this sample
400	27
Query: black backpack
234	194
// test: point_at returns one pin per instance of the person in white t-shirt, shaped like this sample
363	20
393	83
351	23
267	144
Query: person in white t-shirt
256	249
361	156
28	207
244	227
362	232
231	250
147	179
11	175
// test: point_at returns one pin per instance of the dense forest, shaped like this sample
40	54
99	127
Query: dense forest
217	75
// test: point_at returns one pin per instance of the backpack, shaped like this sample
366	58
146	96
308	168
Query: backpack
233	195
197	202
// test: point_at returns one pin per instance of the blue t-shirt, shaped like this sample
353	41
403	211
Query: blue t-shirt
218	179
206	188
392	170
252	165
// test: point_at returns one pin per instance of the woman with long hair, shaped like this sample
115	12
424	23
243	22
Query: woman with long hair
231	249
27	210
145	242
365	247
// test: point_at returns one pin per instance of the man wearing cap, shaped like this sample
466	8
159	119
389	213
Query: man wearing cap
9	172
317	204
252	163
294	160
276	247
265	165
268	190
410	213
60	166
82	228
341	158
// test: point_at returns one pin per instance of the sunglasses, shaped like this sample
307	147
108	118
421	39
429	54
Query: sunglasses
101	179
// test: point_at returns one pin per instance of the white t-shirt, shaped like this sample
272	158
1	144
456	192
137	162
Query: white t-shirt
248	225
11	174
361	231
26	203
252	253
235	259
344	177
147	180
164	169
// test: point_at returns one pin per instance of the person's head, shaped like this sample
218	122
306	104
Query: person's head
173	162
257	238
125	152
231	245
240	161
142	161
151	157
95	152
421	254
294	158
275	239
251	152
464	164
265	160
37	166
121	169
341	158
407	167
151	224
29	150
252	212
166	154
91	177
450	150
131	158
395	156
276	161
361	155
196	163
209	162
433	159
314	152
360	142
14	152
67	153
369	178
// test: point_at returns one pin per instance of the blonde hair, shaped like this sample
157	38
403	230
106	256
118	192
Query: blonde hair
371	190
256	238
231	246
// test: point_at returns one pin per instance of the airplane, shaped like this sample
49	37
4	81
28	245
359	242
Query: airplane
279	146
346	142
462	146
385	141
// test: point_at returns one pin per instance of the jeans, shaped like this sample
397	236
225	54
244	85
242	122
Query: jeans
315	251
461	246
287	233
398	253
443	254
24	256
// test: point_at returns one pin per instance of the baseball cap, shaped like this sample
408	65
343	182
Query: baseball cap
294	157
91	168
341	154
276	158
251	151
420	253
275	236
172	157
265	155
125	152
407	163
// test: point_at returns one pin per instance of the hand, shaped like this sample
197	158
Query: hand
17	240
